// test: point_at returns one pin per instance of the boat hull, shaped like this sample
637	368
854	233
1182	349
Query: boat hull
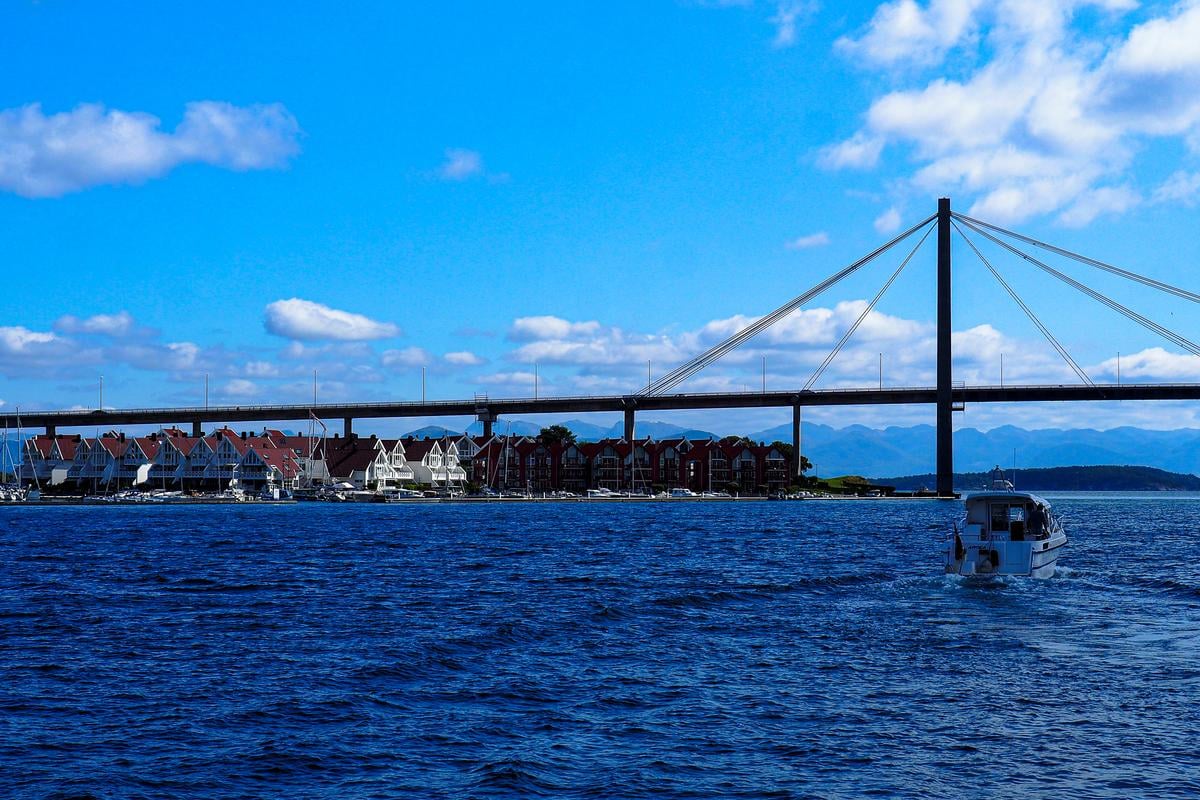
1029	559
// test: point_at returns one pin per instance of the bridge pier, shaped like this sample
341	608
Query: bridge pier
51	431
347	427
489	421
945	407
797	458
629	429
197	429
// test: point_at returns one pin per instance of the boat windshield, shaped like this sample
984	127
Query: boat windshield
1008	518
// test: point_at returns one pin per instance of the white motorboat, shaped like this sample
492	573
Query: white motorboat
1005	532
396	494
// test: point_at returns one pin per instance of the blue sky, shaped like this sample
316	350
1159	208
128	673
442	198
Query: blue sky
255	191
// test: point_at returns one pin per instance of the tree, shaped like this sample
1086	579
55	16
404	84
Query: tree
787	450
557	434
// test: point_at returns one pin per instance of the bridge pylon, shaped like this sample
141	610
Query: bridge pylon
945	386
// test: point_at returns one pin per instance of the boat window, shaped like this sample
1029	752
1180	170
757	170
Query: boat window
999	517
1016	513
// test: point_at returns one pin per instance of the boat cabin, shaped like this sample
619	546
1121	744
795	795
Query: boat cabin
1008	516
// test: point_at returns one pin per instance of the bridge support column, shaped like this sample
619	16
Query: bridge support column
797	458
347	427
629	429
51	431
197	429
945	408
489	421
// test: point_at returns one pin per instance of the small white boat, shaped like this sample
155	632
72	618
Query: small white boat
676	493
396	494
1005	532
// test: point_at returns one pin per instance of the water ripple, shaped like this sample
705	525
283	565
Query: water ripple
589	651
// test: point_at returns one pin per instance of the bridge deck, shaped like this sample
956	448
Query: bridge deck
554	405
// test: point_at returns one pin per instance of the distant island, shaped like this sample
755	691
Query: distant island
1066	479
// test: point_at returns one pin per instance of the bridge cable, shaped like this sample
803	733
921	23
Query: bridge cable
870	306
1062	351
1129	313
1091	262
687	370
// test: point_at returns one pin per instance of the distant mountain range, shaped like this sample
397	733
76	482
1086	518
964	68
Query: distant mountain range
584	431
859	450
910	451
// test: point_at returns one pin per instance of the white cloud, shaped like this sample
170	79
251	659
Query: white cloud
1022	109
1095	202
888	221
788	15
461	165
1182	187
526	329
338	352
859	151
51	155
116	325
261	369
1153	364
18	339
240	387
903	31
407	358
819	239
170	357
309	321
463	358
520	382
40	353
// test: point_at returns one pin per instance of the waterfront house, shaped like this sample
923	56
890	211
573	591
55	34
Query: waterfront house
169	467
366	463
402	473
137	454
309	454
635	461
607	464
574	470
194	474
263	466
431	465
47	460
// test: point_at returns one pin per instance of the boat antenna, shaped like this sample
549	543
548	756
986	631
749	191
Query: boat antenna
1014	478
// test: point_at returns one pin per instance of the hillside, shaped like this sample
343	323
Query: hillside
1106	478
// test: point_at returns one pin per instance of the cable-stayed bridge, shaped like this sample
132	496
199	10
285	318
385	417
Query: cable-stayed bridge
662	394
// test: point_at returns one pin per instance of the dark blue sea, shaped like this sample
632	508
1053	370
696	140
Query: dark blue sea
652	650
